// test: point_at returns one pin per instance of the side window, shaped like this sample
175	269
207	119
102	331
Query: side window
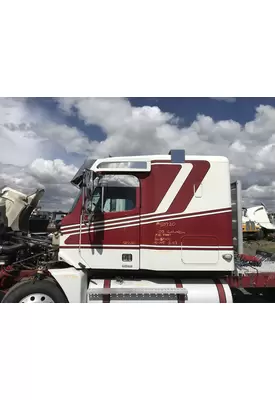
119	199
116	193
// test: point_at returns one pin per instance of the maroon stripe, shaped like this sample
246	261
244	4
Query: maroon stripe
76	246
186	248
144	219
186	192
181	297
107	285
221	291
199	213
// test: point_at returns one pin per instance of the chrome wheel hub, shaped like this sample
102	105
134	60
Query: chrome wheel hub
37	298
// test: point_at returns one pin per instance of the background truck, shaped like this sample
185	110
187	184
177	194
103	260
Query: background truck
259	216
251	229
143	228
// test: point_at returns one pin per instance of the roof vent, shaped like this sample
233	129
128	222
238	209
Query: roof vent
177	156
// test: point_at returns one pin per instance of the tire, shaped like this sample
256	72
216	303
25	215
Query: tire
260	235
46	288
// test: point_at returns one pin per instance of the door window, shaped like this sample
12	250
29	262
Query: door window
115	193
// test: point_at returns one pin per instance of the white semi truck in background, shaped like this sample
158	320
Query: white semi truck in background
257	222
142	228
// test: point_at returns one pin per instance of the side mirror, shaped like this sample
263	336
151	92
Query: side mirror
91	206
87	188
88	207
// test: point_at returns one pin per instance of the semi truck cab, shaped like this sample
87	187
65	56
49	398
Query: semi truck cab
160	213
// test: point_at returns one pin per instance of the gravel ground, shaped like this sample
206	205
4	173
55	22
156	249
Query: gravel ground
242	296
250	247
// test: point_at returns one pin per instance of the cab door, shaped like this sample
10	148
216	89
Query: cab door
112	239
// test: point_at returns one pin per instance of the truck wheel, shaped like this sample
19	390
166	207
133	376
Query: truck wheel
260	235
42	291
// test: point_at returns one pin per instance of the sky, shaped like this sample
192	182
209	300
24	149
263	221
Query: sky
43	141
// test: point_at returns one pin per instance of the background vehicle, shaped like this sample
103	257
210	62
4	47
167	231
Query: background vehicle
251	229
260	217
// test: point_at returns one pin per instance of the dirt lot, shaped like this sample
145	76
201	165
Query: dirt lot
250	247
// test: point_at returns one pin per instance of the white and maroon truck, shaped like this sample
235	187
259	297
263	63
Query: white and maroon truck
143	228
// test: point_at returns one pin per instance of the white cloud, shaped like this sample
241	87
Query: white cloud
261	194
130	130
19	143
35	145
51	171
52	175
29	143
226	99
